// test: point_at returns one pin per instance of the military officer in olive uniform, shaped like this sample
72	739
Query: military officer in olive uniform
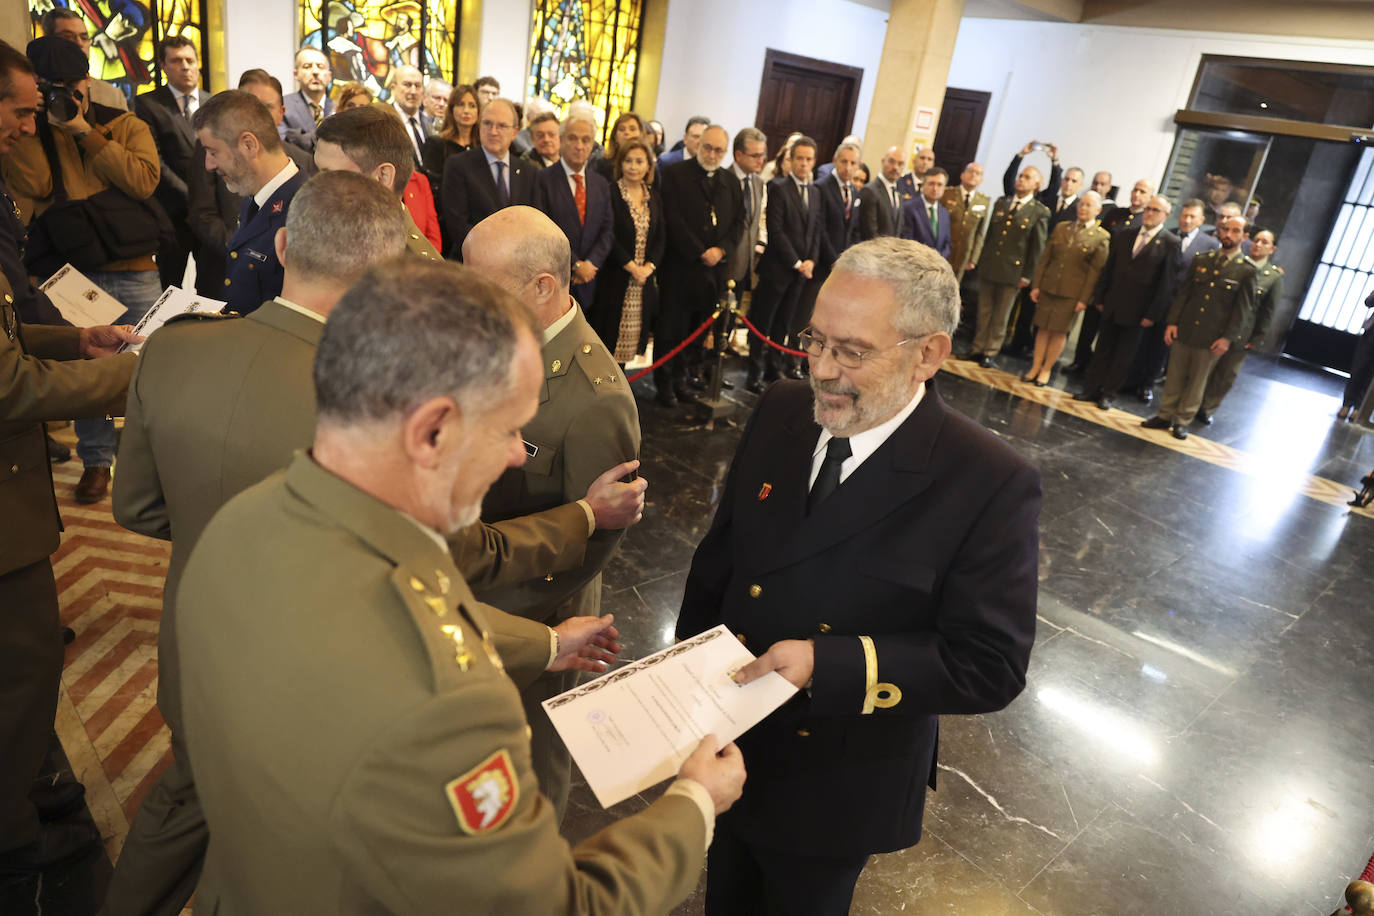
1212	312
46	376
1064	281
371	756
218	405
241	144
968	215
1016	234
587	422
1269	292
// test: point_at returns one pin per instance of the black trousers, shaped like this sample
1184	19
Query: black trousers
1361	370
172	257
1150	359
30	672
1115	354
1022	335
1083	353
745	879
773	311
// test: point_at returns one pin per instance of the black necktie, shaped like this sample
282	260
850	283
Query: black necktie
748	199
828	480
502	192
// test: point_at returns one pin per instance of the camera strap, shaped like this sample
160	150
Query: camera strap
59	187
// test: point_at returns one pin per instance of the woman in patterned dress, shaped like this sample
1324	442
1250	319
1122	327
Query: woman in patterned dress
626	290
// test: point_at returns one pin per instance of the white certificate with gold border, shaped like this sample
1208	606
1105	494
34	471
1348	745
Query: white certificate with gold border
633	727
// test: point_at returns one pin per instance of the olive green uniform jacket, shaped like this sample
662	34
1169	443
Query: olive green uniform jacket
1268	293
587	423
371	756
967	227
42	377
1072	261
1014	241
1216	300
218	404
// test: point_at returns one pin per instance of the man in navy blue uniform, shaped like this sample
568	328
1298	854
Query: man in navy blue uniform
578	200
242	145
879	550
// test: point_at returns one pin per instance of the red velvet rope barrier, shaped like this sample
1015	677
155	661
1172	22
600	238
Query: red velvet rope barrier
676	350
766	339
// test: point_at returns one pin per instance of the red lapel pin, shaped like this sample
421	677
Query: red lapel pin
764	491
276	207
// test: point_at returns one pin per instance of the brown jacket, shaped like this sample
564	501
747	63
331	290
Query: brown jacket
42	377
1072	260
119	153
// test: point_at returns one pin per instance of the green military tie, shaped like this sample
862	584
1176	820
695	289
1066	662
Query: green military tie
934	223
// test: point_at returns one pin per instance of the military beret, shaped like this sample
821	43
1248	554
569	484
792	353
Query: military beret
57	59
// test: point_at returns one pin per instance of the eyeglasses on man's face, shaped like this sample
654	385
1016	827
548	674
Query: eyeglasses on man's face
847	357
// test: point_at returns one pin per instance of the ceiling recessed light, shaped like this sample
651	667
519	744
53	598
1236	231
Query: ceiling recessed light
1264	104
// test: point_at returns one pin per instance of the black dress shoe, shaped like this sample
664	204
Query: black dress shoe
1179	432
665	398
755	386
696	383
1087	395
793	373
1156	422
1203	417
55	844
682	393
1040	384
1144	395
57	452
57	801
1105	402
726	384
987	362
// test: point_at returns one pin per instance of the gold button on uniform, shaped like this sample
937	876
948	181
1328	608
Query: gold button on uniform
755	591
226	281
742	640
233	255
9	299
14	469
803	733
417	584
825	628
586	348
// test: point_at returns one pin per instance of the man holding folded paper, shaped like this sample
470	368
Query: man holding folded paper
880	551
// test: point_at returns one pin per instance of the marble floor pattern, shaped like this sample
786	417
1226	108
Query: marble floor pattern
1194	738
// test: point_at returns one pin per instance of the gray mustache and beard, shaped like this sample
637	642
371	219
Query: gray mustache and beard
865	408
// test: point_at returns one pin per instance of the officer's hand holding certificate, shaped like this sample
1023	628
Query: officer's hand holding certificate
633	727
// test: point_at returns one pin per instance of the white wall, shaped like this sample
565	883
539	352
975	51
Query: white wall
1105	94
713	53
260	33
505	44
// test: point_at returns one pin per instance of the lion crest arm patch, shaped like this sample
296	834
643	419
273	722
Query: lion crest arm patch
484	797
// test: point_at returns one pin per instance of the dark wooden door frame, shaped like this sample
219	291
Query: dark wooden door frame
774	59
974	97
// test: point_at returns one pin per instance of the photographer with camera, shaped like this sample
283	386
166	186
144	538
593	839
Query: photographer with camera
84	182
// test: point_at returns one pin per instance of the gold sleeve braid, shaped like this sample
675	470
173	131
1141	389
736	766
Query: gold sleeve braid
876	695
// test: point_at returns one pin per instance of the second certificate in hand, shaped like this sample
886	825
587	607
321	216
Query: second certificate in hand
633	727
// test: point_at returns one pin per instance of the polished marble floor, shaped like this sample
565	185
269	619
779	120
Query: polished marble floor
1195	737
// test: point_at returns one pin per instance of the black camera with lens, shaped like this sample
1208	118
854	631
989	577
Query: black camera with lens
61	101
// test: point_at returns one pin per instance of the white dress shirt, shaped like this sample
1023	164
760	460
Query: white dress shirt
192	100
864	444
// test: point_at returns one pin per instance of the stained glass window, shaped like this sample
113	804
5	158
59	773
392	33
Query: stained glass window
125	33
587	50
366	39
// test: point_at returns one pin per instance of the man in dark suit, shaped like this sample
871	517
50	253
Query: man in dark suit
1150	357
1132	295
705	213
687	147
925	219
794	246
838	197
1049	193
407	85
212	209
750	151
310	104
242	145
578	200
167	110
880	207
1065	206
878	549
481	181
1113	220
